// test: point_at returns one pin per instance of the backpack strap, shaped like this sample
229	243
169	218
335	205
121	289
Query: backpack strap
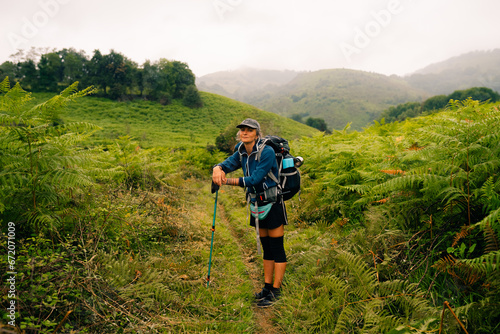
274	178
260	148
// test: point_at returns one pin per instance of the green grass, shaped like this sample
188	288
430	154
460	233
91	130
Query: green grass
174	126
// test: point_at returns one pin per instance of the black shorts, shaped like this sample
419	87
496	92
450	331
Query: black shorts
275	218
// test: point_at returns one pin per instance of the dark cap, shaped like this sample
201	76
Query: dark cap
251	123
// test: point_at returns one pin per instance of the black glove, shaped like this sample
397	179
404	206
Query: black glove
214	187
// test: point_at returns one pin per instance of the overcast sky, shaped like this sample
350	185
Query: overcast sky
383	36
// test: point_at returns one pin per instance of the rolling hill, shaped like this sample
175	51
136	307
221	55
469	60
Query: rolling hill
175	125
340	96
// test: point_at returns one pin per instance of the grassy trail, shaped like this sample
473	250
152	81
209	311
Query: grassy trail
236	271
252	262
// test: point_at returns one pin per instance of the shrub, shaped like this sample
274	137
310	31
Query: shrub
192	98
41	166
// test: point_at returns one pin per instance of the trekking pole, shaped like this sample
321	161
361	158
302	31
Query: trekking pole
257	227
212	242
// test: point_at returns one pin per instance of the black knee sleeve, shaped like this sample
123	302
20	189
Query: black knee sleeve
264	241
277	249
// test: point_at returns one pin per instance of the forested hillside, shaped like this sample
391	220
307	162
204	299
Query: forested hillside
436	103
397	228
337	96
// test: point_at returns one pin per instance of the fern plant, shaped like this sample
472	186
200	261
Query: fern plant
41	165
349	168
434	178
346	296
458	154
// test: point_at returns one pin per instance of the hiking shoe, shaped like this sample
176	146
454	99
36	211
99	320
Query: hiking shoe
270	299
262	294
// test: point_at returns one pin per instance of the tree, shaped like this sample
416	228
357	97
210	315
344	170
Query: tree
138	80
183	77
317	123
155	81
475	93
28	74
51	72
192	98
74	64
297	118
115	73
401	112
435	103
226	141
149	75
171	78
166	82
7	69
96	71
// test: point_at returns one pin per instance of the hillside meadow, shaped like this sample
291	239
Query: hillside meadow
396	229
154	125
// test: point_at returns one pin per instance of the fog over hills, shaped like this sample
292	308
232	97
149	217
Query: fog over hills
342	96
474	69
239	83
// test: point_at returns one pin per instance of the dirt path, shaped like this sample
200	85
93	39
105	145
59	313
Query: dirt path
249	257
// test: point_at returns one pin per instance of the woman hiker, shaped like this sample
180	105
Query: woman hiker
273	215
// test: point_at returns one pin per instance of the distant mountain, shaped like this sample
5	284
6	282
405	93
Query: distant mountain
474	69
238	84
341	96
338	96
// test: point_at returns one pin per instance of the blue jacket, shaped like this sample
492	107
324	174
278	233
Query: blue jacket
255	179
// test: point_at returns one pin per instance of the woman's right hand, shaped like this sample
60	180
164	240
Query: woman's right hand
218	176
